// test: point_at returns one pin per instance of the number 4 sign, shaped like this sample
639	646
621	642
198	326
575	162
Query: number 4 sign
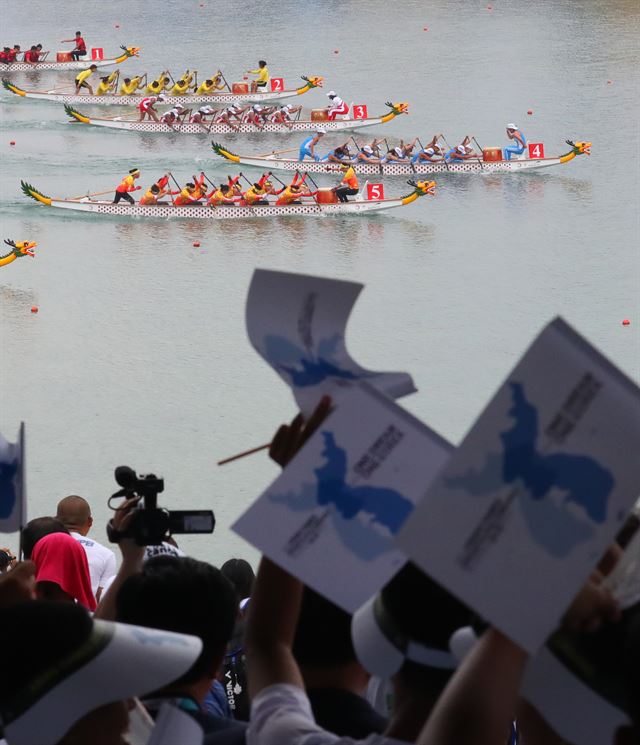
536	150
360	111
277	84
375	192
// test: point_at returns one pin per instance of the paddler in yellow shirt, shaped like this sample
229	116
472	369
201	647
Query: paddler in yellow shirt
210	85
130	86
81	79
183	85
263	77
107	84
160	84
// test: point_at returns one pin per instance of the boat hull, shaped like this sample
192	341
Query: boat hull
169	211
46	65
400	169
190	100
197	129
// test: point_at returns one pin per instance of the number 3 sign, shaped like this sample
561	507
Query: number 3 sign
536	150
360	111
277	84
375	192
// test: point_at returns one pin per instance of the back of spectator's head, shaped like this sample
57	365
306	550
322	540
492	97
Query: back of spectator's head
241	575
187	596
74	513
59	666
408	626
323	634
36	529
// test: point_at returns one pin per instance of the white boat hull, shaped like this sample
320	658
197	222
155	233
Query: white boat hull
51	65
198	129
168	211
401	169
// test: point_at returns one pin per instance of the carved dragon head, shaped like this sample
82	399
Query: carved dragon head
130	51
398	108
580	148
21	248
315	81
421	188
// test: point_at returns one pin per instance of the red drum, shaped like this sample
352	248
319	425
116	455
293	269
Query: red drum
492	153
319	115
240	87
326	195
64	57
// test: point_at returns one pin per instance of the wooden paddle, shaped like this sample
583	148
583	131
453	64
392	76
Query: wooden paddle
225	81
242	455
481	150
93	194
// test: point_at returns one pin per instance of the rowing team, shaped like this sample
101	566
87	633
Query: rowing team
433	152
196	192
233	115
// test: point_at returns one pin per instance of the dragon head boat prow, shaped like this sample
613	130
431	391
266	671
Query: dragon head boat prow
31	191
128	52
396	110
8	85
420	189
19	249
577	148
75	115
224	153
314	81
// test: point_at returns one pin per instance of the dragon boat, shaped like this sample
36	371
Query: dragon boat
479	165
314	207
45	64
187	128
220	97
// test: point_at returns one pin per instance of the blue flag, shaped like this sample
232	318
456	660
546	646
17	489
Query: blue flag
12	496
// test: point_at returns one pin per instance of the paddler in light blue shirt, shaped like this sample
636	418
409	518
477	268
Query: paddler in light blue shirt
307	147
519	142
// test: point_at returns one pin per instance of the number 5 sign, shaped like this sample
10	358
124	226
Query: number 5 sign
360	111
375	192
277	84
536	150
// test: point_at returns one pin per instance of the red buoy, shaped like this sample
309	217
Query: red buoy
336	51
426	28
609	82
12	142
626	322
34	308
117	25
196	244
530	112
489	7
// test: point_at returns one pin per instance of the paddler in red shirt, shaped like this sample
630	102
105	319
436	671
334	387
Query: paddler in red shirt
80	49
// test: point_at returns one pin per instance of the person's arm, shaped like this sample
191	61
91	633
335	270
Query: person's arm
132	559
18	584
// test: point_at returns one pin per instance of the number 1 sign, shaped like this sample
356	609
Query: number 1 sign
360	111
277	85
536	150
375	192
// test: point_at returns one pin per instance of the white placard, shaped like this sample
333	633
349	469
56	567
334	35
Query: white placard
331	516
539	487
298	322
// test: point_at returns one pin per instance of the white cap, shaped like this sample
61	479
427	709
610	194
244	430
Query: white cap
512	126
161	96
321	131
94	677
257	107
288	106
331	94
368	149
178	106
462	149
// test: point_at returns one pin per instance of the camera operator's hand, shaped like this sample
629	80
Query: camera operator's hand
18	584
132	558
291	437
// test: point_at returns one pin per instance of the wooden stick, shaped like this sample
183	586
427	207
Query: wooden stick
279	152
242	455
94	194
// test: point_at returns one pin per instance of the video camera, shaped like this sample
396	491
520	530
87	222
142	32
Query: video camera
151	524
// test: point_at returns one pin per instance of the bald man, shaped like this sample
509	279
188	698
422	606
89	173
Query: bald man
75	514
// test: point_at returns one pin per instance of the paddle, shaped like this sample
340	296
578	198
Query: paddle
242	455
315	198
170	194
195	84
481	150
215	188
225	81
250	184
178	185
93	194
278	152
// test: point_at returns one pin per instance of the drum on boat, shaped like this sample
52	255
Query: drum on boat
326	195
492	154
319	115
64	57
240	87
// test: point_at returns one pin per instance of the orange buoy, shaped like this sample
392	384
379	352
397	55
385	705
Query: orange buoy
34	308
626	322
530	112
196	244
12	142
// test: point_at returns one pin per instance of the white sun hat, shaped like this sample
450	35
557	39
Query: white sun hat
321	131
512	126
331	94
116	661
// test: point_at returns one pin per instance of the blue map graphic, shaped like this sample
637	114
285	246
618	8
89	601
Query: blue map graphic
302	368
581	480
365	517
7	488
